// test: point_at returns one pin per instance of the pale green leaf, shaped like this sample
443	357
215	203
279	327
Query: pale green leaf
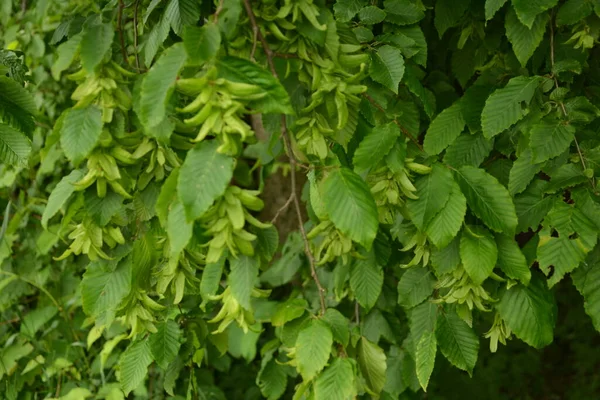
524	40
457	341
242	279
179	229
549	139
387	67
587	281
59	196
201	43
96	41
468	149
350	205
165	343
14	146
511	259
530	312
204	176
478	253
313	346
444	129
492	7
527	10
433	191
366	279
80	131
133	365
504	107
66	54
425	358
336	382
375	146
415	285
488	199
446	223
448	14
372	363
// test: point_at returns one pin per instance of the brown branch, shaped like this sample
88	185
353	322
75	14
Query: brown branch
120	30
218	11
403	129
293	162
282	208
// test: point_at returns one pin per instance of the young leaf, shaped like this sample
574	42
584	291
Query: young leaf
549	139
165	343
445	225
415	286
243	278
511	259
433	191
204	176
425	358
444	129
530	312
336	382
524	40
371	360
387	67
456	341
350	206
504	107
375	146
488	199
478	253
366	279
80	132
134	364
313	346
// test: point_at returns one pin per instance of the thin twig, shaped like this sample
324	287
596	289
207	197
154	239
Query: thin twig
282	208
135	34
404	131
357	312
10	321
293	162
218	11
120	30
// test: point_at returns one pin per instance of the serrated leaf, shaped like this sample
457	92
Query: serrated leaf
549	139
133	365
402	12
371	15
165	343
530	312
366	280
36	319
374	147
522	172
339	325
371	361
425	358
158	85
350	206
423	318
80	131
203	177
415	285
96	41
446	223
426	97
488	199
444	129
276	99
587	281
345	10
313	346
527	10
456	341
181	13
511	259
524	40
573	11
433	191
211	277
242	279
14	146
288	311
448	14
59	196
478	253
66	54
336	382
504	107
179	229
201	43
567	175
492	7
387	67
468	150
272	380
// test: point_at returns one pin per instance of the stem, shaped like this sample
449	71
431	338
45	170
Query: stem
135	34
120	30
282	208
293	162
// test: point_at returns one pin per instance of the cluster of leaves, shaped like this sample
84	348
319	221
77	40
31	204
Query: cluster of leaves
452	159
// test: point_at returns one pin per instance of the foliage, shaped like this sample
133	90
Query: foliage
451	155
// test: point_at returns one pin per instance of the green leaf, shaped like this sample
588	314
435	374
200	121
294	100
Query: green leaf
415	286
488	199
338	324
425	358
313	346
549	139
17	105
530	312
387	67
36	319
272	380
211	278
371	361
276	99
448	14
133	365
165	343
336	382
371	15
423	319
433	191
158	85
478	253
587	281
96	41
242	279
573	11
457	341
204	177
468	150
532	205
345	10
402	12
567	175
374	147
80	132
66	54
511	259
350	206
522	172
366	279
14	146
444	129
492	7
524	40
201	43
527	10
179	229
288	311
445	225
103	287
59	196
181	13
504	107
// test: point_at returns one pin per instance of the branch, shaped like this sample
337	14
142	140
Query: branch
120	30
293	162
282	208
135	34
